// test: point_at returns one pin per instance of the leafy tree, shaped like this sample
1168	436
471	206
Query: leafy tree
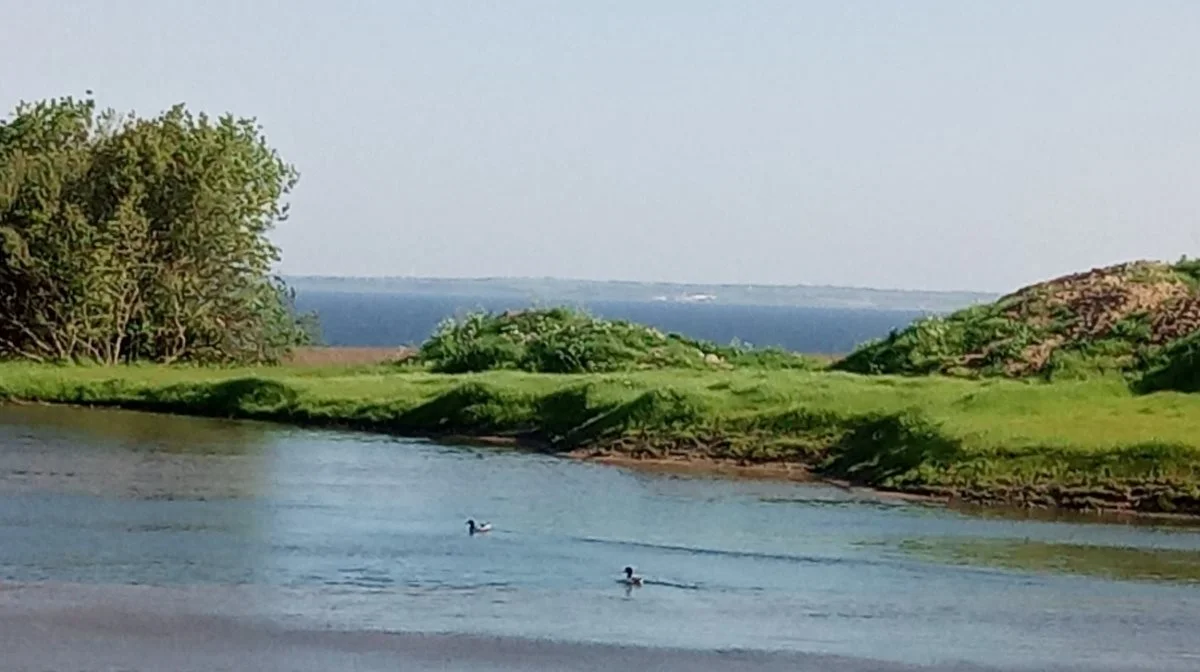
126	239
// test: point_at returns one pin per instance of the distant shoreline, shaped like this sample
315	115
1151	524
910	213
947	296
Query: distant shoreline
348	355
555	290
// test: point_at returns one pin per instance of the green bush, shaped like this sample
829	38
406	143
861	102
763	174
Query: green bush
1188	269
770	359
1177	368
473	344
564	340
928	346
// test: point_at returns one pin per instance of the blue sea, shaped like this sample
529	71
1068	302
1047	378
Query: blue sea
386	319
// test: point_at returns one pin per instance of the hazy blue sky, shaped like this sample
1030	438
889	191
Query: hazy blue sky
951	144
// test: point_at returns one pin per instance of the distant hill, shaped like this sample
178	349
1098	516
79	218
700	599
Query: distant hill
1131	318
549	290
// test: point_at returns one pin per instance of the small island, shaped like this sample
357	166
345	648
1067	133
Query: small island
135	273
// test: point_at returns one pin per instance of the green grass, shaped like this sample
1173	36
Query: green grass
1076	444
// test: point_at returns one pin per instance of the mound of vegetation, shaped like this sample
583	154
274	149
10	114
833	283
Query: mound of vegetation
126	239
563	340
1177	369
1121	318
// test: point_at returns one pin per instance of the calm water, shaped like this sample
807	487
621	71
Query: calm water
367	319
351	531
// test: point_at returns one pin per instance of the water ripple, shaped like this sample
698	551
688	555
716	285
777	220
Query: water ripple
727	553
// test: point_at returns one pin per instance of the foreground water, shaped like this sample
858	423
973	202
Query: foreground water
345	531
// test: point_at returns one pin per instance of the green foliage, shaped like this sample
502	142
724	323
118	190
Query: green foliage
1134	330
1085	363
768	359
126	239
1188	269
938	344
891	449
562	340
471	404
1057	330
472	344
1177	369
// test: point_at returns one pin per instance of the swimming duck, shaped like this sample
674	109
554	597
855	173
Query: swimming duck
630	579
472	528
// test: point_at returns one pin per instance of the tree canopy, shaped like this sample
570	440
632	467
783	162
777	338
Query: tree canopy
132	239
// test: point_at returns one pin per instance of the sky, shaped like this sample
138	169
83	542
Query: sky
956	144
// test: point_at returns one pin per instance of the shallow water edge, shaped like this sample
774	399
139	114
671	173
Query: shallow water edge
61	626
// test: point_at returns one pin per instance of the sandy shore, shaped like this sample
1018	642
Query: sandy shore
86	628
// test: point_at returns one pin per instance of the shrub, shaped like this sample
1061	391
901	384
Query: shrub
1177	368
564	340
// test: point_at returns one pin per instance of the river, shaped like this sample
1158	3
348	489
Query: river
323	532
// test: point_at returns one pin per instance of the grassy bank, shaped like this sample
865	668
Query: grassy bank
1079	445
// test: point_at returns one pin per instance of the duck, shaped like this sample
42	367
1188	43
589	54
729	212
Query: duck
472	528
630	579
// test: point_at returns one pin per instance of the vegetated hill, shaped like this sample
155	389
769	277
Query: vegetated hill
563	340
1118	318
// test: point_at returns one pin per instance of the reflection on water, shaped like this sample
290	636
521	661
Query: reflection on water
1148	564
141	455
145	432
1049	515
354	531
